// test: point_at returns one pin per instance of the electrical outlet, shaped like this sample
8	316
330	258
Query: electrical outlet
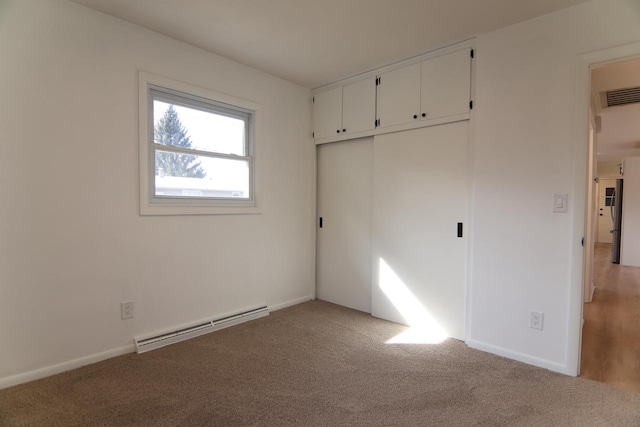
126	309
536	319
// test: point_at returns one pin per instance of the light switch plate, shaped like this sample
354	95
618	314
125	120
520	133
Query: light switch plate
560	202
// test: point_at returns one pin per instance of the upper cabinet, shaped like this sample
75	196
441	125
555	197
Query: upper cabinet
434	91
436	88
399	96
327	113
345	110
359	106
446	85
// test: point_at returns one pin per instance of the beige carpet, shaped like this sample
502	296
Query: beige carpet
315	364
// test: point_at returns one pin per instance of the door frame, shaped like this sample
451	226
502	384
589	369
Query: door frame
582	184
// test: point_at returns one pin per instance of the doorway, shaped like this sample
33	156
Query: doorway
604	225
610	350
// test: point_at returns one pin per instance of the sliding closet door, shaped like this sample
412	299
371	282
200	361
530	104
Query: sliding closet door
420	195
344	237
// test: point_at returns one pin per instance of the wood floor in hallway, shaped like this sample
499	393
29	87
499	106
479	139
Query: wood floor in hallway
611	331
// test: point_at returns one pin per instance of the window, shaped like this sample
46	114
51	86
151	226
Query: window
608	198
196	150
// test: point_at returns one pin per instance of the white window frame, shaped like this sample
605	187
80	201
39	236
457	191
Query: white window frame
189	95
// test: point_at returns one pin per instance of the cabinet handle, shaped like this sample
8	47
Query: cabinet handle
338	131
415	116
344	130
424	114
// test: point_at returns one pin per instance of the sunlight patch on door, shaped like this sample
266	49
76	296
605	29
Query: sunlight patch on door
423	328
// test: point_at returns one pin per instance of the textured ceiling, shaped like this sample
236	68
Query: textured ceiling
316	42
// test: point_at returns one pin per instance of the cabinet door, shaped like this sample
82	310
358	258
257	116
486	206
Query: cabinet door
359	106
420	194
344	242
327	113
446	85
399	96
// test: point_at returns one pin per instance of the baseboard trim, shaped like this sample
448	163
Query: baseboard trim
47	371
520	357
290	303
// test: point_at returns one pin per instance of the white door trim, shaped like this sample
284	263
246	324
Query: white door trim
580	187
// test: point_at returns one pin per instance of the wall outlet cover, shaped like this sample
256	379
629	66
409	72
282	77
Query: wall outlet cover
126	310
536	319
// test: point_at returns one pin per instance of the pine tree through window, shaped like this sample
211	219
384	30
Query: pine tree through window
170	131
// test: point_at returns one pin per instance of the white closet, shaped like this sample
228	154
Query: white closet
393	193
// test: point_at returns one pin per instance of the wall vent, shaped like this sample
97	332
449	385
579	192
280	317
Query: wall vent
612	98
151	343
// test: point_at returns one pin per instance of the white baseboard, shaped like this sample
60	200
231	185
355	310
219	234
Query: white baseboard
290	303
520	357
47	371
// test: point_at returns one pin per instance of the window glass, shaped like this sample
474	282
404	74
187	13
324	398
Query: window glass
208	177
609	192
187	127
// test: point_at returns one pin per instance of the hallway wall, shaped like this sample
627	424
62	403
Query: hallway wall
630	247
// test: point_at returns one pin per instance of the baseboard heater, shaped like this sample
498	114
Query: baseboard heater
151	343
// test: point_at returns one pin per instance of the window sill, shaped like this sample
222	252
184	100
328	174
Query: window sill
152	210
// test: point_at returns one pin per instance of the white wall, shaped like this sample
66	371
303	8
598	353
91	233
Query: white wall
608	170
630	244
524	257
72	245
